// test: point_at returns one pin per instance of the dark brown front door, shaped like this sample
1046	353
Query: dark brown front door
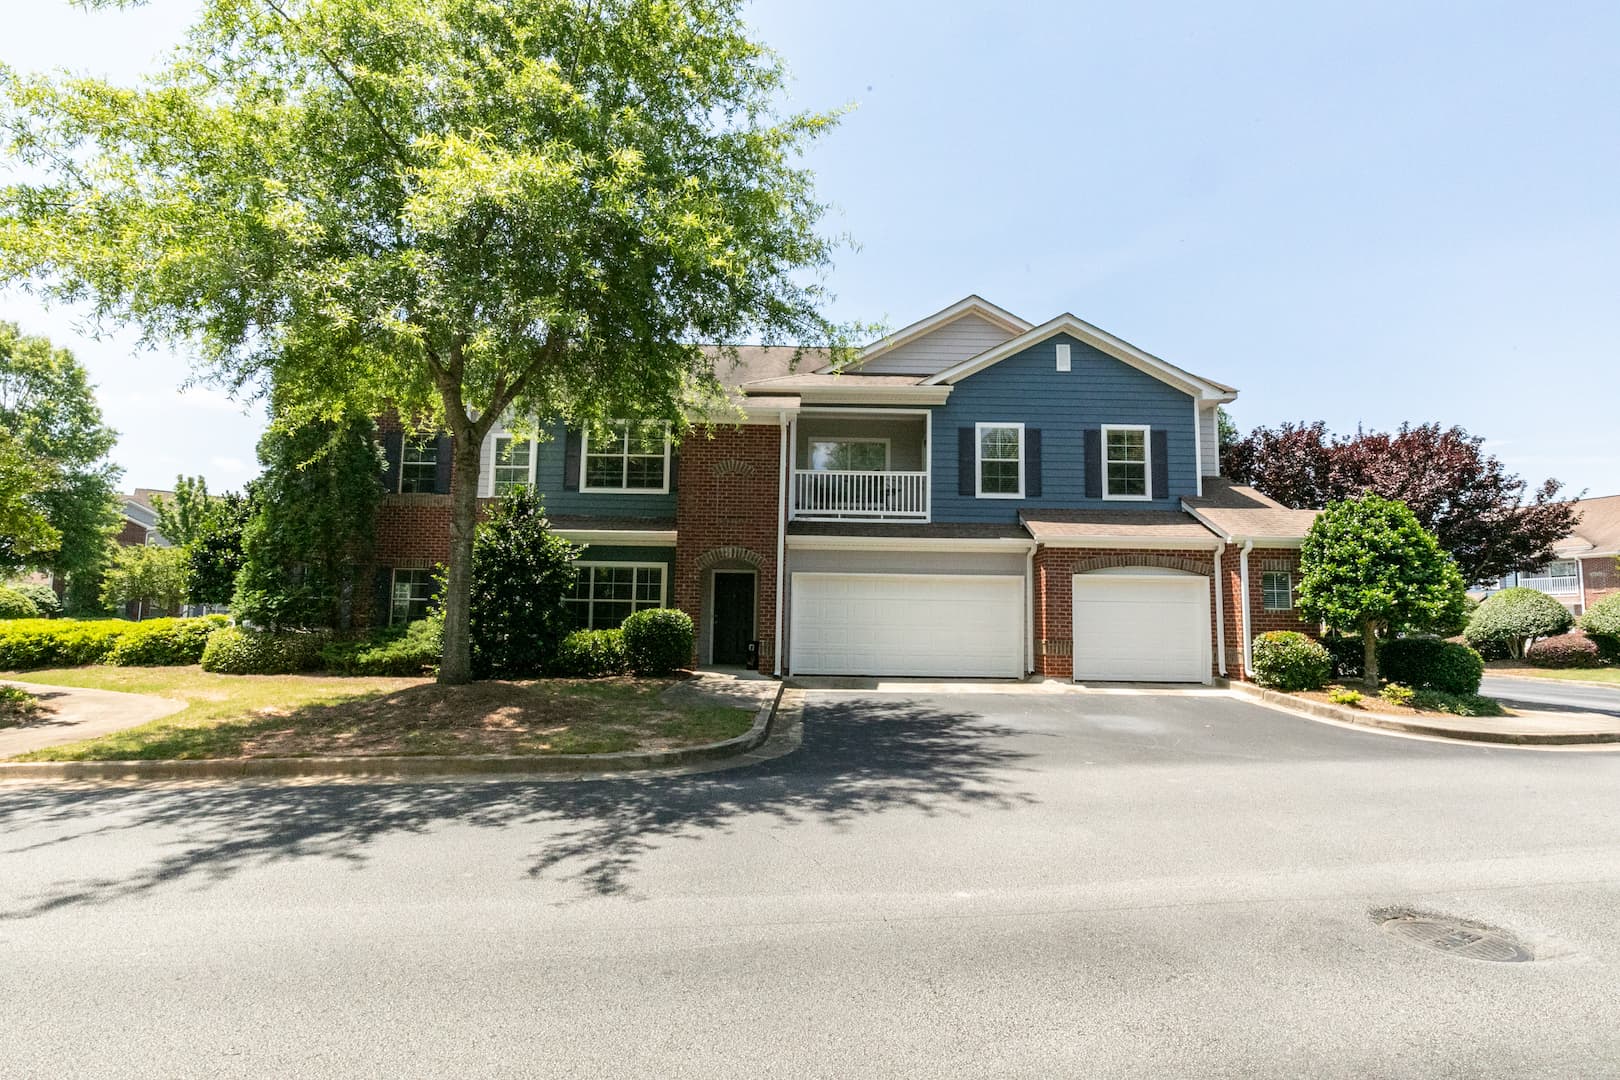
733	625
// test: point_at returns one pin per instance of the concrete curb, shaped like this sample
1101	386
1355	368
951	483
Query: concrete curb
1416	727
386	767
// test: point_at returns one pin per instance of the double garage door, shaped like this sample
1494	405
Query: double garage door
908	624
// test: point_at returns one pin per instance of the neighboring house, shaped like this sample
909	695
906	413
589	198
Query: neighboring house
973	496
1585	570
140	519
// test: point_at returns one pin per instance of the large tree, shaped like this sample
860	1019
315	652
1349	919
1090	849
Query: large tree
453	208
25	530
1484	516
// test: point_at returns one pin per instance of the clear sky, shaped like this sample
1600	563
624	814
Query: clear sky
1361	213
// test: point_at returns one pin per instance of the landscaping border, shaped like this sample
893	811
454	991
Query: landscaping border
401	765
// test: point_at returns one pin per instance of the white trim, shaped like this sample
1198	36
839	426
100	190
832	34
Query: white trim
853	393
1198	448
1289	574
404	445
978	460
1064	362
1580	574
1220	615
1147	462
663	583
1098	339
753	633
811	441
1243	610
393	582
1155	574
782	480
495	438
908	543
968	305
1029	610
620	537
1142	543
585	465
835	413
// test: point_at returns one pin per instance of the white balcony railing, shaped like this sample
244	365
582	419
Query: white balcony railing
893	496
1558	585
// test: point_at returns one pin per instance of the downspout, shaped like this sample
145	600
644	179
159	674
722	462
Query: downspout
1243	615
1220	614
1029	608
1580	580
781	543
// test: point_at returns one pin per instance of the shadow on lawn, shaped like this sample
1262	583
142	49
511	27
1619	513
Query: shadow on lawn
858	758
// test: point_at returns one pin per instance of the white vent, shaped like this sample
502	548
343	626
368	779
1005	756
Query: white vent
1063	356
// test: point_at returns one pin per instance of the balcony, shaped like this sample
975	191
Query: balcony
1558	585
850	466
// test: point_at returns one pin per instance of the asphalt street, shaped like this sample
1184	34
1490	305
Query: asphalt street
1013	885
1552	694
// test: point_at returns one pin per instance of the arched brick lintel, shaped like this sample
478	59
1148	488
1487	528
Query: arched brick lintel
1144	558
731	553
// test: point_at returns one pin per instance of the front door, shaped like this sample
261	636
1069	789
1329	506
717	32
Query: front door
733	619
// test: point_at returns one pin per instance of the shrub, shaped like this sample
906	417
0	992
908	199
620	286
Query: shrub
39	643
1396	694
232	650
1428	663
1456	704
414	651
1342	696
1348	657
163	642
521	572
1516	617
1288	660
587	654
43	596
1601	623
1564	651
658	641
14	605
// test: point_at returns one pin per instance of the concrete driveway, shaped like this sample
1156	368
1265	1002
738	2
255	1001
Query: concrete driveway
998	885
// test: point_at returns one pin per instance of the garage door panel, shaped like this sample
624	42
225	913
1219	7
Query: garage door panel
907	624
1150	629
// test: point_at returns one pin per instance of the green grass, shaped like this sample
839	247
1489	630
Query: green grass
1609	674
309	715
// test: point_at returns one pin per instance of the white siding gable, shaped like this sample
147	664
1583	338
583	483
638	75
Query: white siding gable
1209	447
956	341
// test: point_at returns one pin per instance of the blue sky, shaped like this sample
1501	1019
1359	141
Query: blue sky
1367	214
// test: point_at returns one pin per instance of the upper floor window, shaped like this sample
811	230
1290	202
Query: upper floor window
514	463
849	455
1276	585
1000	460
412	596
419	465
627	456
1125	462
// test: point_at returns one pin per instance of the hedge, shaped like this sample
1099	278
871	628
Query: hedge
1430	663
1601	623
163	642
1288	660
658	641
589	654
1564	651
14	605
233	650
42	643
416	650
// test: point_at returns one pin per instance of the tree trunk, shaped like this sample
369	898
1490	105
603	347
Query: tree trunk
456	665
1369	654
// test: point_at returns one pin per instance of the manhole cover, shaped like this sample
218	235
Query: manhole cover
1459	938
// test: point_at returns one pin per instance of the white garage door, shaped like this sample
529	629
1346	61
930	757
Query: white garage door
907	624
1146	628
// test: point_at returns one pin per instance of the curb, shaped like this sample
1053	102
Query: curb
391	767
1411	727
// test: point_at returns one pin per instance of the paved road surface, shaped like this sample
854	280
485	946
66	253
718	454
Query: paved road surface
945	886
1552	694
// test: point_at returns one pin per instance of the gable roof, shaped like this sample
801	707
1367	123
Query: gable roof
1597	532
968	305
1234	510
1198	386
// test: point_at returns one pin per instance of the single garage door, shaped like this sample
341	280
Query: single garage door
907	624
1141	627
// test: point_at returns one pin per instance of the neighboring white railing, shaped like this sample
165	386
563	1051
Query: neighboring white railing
850	494
1560	584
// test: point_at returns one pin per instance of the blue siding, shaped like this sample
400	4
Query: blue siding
548	478
1028	388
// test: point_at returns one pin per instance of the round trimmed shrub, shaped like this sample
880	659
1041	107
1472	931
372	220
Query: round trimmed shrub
658	641
1513	618
1288	660
14	605
43	596
1601	623
232	650
589	654
1431	663
164	642
1564	651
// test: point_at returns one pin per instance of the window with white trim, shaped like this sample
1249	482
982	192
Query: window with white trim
605	594
849	455
419	466
1125	462
411	597
627	456
513	464
1000	460
1276	585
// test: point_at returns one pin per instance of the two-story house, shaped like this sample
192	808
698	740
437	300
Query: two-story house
973	496
1587	567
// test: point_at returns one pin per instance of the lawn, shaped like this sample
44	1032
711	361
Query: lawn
1608	675
313	715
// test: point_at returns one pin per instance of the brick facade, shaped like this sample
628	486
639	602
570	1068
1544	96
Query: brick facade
1602	579
1262	620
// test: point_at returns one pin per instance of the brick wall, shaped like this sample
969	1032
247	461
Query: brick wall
727	515
1261	620
1602	577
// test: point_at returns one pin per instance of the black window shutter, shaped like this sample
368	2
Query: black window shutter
571	459
1094	463
1032	463
1161	463
382	587
393	453
966	461
674	468
444	456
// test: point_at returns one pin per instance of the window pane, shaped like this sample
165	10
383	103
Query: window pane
1127	479
998	443
649	587
999	477
608	614
606	472
1277	591
511	464
1127	446
834	454
647	439
645	472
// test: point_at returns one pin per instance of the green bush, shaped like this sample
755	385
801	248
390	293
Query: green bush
1428	663
14	605
1396	694
1514	618
1348	658
232	650
521	573
163	642
589	654
1601	623
1564	651
1342	696
42	643
1456	704
43	596
1288	660
414	651
658	641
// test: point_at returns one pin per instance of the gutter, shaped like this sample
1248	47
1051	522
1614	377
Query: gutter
781	540
1220	617
1243	615
1029	609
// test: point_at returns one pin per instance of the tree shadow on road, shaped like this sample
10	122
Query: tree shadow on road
858	758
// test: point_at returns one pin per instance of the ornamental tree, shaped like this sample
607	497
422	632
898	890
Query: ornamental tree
147	576
1514	619
454	209
1368	567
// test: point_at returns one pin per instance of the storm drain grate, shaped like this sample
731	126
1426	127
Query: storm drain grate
1457	937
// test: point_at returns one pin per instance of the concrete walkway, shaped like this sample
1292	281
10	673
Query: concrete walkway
72	713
